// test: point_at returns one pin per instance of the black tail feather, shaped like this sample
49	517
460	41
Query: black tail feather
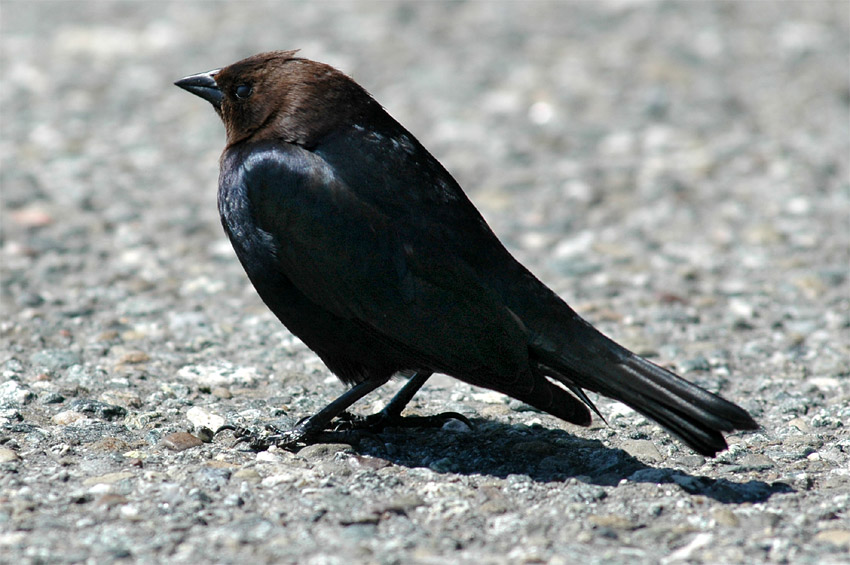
694	415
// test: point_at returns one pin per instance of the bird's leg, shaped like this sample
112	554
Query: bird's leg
391	416
308	430
348	426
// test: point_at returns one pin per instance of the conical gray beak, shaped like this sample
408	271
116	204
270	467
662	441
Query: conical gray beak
203	85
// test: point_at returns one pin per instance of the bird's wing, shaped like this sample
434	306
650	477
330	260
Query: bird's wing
361	261
394	173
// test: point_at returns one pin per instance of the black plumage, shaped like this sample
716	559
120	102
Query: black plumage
366	248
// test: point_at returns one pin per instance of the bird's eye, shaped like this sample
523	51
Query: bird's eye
244	91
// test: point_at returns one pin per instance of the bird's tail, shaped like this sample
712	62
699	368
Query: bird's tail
596	363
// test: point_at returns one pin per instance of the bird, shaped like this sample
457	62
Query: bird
367	249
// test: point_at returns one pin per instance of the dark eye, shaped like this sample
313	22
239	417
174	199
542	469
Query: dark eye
244	91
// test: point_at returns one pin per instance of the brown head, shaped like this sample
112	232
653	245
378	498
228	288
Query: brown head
277	95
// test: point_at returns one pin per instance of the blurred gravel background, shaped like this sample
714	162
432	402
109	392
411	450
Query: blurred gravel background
678	171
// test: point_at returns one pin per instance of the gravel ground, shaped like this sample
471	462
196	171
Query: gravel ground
678	171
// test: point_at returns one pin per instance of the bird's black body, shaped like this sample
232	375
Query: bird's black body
367	249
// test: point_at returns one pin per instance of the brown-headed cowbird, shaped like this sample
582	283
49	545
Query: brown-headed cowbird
367	249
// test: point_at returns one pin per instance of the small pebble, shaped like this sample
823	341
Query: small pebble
7	455
841	538
274	480
52	398
67	417
248	475
366	462
134	358
181	441
205	434
13	393
200	418
109	478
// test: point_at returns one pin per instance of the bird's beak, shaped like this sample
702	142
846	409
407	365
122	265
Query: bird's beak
203	85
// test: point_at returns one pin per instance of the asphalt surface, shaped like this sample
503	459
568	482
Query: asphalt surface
678	171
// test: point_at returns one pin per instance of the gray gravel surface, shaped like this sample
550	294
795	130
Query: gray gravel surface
678	171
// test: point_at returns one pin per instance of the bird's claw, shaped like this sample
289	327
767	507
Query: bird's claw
346	428
289	440
378	422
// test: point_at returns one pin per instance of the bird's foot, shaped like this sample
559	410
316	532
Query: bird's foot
346	428
376	423
290	439
293	439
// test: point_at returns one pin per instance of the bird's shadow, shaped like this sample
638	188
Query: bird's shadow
546	455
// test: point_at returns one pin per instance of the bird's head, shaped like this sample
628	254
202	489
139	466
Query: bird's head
277	95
